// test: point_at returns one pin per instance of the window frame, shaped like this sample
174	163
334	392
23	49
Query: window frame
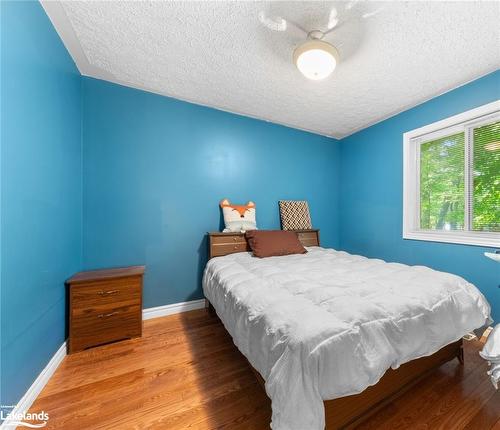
412	140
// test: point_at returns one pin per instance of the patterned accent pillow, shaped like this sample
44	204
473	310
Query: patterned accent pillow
238	218
294	215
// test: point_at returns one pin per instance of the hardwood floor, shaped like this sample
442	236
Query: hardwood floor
185	372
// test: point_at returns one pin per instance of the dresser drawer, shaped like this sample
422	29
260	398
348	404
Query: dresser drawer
230	248
94	328
98	294
227	239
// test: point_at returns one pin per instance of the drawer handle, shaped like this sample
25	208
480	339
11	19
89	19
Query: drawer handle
235	239
107	315
235	247
108	293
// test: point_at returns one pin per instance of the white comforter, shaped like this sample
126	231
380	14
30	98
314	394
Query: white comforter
327	324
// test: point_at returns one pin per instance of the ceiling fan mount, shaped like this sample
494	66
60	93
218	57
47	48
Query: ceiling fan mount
316	34
316	58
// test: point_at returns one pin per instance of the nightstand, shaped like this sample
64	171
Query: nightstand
104	306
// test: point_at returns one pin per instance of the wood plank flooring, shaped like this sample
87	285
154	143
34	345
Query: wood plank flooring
185	373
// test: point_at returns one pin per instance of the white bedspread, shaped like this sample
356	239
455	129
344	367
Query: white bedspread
327	324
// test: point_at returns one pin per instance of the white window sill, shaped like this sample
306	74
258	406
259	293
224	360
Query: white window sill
491	240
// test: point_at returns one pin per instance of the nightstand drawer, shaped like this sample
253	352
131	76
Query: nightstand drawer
307	235
98	294
94	328
103	308
230	248
308	238
228	239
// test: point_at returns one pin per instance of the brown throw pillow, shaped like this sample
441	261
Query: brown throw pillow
270	243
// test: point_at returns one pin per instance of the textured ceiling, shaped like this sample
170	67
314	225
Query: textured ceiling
394	55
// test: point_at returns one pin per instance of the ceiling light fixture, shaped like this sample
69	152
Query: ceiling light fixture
315	58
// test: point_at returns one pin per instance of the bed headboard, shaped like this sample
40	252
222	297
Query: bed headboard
220	244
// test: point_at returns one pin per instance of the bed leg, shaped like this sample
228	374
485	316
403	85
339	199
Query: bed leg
460	355
210	309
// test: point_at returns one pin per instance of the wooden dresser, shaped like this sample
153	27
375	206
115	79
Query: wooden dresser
229	243
104	306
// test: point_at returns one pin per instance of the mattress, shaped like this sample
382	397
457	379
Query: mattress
328	324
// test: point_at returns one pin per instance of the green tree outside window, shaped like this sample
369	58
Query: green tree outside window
442	199
442	181
486	178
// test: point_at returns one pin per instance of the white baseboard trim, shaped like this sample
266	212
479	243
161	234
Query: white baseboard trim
175	308
30	396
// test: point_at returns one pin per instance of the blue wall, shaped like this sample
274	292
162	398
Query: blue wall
371	191
155	169
40	192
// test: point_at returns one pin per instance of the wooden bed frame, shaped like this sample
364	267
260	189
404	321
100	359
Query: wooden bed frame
348	412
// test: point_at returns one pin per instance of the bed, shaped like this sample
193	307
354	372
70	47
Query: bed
333	336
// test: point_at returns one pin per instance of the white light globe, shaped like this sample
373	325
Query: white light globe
316	59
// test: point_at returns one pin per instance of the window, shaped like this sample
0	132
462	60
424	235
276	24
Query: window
452	179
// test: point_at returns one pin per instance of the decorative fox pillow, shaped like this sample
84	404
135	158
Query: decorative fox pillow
238	218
